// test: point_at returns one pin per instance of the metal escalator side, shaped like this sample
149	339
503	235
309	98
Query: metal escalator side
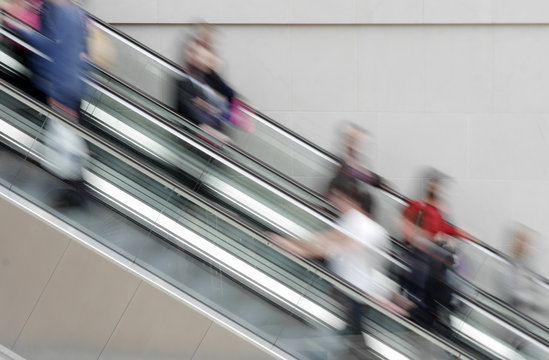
70	297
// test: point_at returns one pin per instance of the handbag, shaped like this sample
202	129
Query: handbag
65	152
242	115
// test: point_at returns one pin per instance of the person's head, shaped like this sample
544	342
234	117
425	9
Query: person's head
197	57
205	35
522	243
343	193
434	181
354	137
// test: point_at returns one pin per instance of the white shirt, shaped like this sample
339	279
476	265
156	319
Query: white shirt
357	263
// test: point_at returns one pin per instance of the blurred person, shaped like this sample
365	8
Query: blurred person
351	165
29	13
195	100
64	41
516	284
352	255
205	37
427	234
240	114
518	288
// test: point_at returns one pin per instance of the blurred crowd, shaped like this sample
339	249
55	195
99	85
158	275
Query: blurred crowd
355	252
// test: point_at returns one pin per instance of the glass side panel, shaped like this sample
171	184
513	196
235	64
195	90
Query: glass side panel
186	160
165	113
268	143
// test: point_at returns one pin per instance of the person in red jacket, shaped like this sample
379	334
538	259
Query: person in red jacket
427	234
424	217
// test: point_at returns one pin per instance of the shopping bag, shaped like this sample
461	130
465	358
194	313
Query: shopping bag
65	152
242	115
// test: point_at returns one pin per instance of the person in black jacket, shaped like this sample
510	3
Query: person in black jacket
196	100
205	37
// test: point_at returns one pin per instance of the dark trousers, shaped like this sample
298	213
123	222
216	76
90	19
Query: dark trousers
426	286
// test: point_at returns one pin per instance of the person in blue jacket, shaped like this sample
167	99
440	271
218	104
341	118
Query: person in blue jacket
63	41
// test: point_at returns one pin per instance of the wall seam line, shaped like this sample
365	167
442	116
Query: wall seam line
119	320
41	294
201	341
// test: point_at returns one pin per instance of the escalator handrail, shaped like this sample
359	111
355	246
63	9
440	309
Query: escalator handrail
334	280
250	157
176	68
220	156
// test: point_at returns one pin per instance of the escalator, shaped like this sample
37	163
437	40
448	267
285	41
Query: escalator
219	180
157	225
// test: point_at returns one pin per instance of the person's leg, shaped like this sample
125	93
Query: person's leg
76	195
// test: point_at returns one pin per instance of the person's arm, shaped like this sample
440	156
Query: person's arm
217	83
33	37
361	173
319	244
420	239
457	232
186	101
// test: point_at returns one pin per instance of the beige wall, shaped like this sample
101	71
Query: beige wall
321	11
456	84
68	298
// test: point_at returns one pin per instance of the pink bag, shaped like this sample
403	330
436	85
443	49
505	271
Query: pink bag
29	13
242	115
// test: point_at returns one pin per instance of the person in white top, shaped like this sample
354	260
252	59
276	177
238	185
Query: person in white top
353	253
